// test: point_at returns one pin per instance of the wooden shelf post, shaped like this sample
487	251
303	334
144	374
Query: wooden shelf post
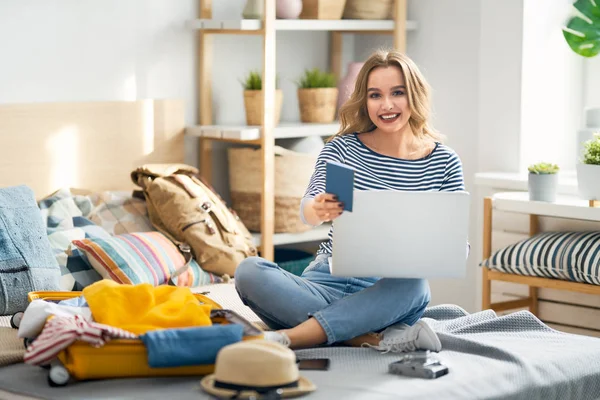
486	297
204	57
400	25
268	138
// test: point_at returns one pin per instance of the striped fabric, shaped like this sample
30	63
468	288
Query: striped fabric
60	332
441	170
143	257
572	256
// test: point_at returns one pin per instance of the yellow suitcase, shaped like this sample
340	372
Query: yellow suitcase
123	358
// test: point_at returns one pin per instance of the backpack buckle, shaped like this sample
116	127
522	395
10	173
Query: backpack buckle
184	247
205	206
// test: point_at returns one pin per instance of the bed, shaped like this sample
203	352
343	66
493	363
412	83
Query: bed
93	146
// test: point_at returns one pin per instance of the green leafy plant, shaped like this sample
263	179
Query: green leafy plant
253	81
582	32
315	78
543	168
591	154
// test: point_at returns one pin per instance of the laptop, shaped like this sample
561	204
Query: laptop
393	234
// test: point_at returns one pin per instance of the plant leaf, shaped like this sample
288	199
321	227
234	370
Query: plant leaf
582	36
589	8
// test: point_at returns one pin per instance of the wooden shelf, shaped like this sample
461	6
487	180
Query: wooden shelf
249	25
316	234
565	206
252	133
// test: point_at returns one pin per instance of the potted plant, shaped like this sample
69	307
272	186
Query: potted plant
542	181
317	96
253	99
588	171
582	34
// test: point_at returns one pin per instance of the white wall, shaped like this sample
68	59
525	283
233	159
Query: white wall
500	85
592	82
89	50
551	88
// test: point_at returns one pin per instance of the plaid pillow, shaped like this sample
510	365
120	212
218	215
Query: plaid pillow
119	212
63	215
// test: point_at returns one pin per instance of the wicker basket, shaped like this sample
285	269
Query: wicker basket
318	105
369	9
322	9
253	105
292	174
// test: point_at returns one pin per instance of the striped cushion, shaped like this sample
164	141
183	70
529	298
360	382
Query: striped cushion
572	256
143	257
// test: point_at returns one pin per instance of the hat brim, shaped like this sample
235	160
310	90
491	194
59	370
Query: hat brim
208	384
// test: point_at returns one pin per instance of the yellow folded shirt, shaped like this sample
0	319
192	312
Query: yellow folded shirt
143	307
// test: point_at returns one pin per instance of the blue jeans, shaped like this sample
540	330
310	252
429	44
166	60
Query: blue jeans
344	307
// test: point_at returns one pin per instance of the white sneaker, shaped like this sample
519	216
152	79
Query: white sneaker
404	338
278	337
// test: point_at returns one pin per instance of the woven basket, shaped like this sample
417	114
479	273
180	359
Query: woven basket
292	175
322	9
253	105
318	105
369	9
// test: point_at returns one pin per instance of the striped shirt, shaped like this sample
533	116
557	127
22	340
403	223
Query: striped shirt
441	170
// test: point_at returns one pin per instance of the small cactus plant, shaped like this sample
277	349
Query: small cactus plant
543	168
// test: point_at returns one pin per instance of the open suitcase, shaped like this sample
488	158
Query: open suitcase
127	358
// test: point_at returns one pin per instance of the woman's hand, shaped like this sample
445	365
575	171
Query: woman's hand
326	207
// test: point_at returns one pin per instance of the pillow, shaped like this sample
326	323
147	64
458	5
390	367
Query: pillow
143	257
63	215
571	256
119	212
26	260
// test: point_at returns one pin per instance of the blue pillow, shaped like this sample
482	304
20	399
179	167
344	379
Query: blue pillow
27	262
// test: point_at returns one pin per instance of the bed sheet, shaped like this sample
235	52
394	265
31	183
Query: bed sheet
515	356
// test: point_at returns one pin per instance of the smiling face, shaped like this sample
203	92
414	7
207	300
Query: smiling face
387	99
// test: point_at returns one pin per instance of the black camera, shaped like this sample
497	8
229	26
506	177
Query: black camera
419	364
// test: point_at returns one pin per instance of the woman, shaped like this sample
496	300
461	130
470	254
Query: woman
385	135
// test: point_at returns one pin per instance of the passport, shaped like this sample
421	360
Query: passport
339	180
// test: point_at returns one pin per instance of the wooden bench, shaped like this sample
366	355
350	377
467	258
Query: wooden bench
518	202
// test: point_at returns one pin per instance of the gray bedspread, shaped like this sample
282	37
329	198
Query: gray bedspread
489	357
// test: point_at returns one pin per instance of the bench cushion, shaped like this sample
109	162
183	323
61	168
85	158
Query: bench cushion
571	256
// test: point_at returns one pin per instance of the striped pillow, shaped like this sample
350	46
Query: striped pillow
572	256
143	257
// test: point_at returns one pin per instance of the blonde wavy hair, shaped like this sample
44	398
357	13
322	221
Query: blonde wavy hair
354	116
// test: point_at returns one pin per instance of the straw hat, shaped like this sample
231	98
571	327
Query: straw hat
251	367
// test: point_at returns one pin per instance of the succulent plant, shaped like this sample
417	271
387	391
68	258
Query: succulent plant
543	168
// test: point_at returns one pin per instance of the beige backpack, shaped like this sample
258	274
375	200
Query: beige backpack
194	217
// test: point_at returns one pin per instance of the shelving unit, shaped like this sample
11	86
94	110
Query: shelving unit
265	135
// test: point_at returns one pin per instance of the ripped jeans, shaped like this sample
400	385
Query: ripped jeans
344	307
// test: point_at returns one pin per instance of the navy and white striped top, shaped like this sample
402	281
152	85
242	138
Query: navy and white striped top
441	170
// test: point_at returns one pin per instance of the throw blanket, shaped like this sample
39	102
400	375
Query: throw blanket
489	357
26	260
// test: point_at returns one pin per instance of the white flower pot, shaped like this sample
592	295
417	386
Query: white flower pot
542	187
588	181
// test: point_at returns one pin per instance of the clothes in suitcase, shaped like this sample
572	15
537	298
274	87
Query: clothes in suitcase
161	352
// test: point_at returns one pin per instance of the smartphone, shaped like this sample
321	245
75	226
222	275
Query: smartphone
316	364
339	180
